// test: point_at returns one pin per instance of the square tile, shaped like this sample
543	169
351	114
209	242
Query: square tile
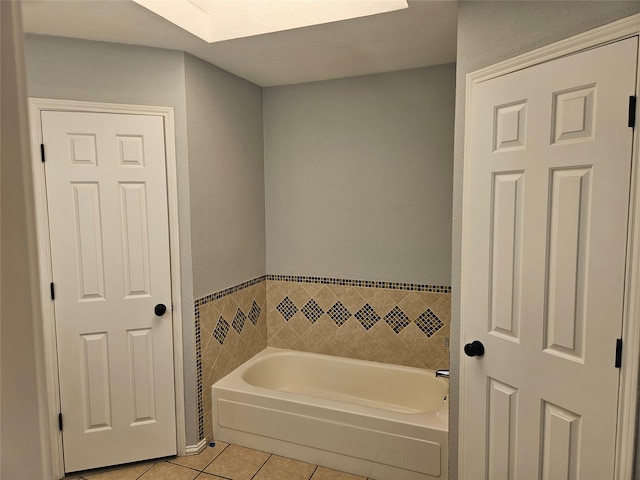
238	463
121	472
339	313
346	336
412	305
254	313
352	300
287	308
221	330
299	294
381	302
169	471
323	473
312	311
429	323
202	459
396	319
325	298
299	323
280	468
367	316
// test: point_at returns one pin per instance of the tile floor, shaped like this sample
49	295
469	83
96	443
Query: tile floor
222	462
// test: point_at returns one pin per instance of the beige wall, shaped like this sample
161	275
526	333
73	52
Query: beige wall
226	168
358	177
489	32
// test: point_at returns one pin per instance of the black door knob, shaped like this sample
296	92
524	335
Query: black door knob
474	349
160	309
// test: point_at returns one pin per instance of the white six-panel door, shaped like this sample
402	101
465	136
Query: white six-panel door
548	174
107	205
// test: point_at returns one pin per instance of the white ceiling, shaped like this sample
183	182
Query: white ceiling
423	34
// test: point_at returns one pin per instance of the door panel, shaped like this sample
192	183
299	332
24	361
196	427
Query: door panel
548	173
107	200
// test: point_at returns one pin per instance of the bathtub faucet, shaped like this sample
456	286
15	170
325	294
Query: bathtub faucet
442	373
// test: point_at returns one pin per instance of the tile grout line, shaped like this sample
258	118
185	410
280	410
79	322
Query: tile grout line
201	473
262	466
147	470
213	460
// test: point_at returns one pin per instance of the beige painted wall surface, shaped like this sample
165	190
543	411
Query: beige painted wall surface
226	168
489	32
358	177
24	445
106	72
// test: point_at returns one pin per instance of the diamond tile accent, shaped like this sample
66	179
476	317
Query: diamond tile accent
367	316
396	319
429	323
221	330
254	313
287	308
238	321
312	311
339	313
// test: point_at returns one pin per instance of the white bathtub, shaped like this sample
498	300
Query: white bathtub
384	422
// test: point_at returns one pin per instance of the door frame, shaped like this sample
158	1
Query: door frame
628	389
36	107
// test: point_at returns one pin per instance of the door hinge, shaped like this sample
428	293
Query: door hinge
632	112
42	152
53	291
60	421
618	363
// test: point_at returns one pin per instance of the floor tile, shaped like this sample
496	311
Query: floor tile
169	471
323	473
124	472
280	468
238	463
201	460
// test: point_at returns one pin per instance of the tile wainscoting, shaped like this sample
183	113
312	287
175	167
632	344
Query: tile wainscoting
231	327
398	323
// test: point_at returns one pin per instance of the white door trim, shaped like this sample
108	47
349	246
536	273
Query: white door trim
36	107
628	400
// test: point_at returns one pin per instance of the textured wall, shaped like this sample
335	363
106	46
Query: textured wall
358	177
226	168
105	72
489	32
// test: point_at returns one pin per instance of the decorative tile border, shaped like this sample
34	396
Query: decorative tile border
428	322
362	283
199	404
